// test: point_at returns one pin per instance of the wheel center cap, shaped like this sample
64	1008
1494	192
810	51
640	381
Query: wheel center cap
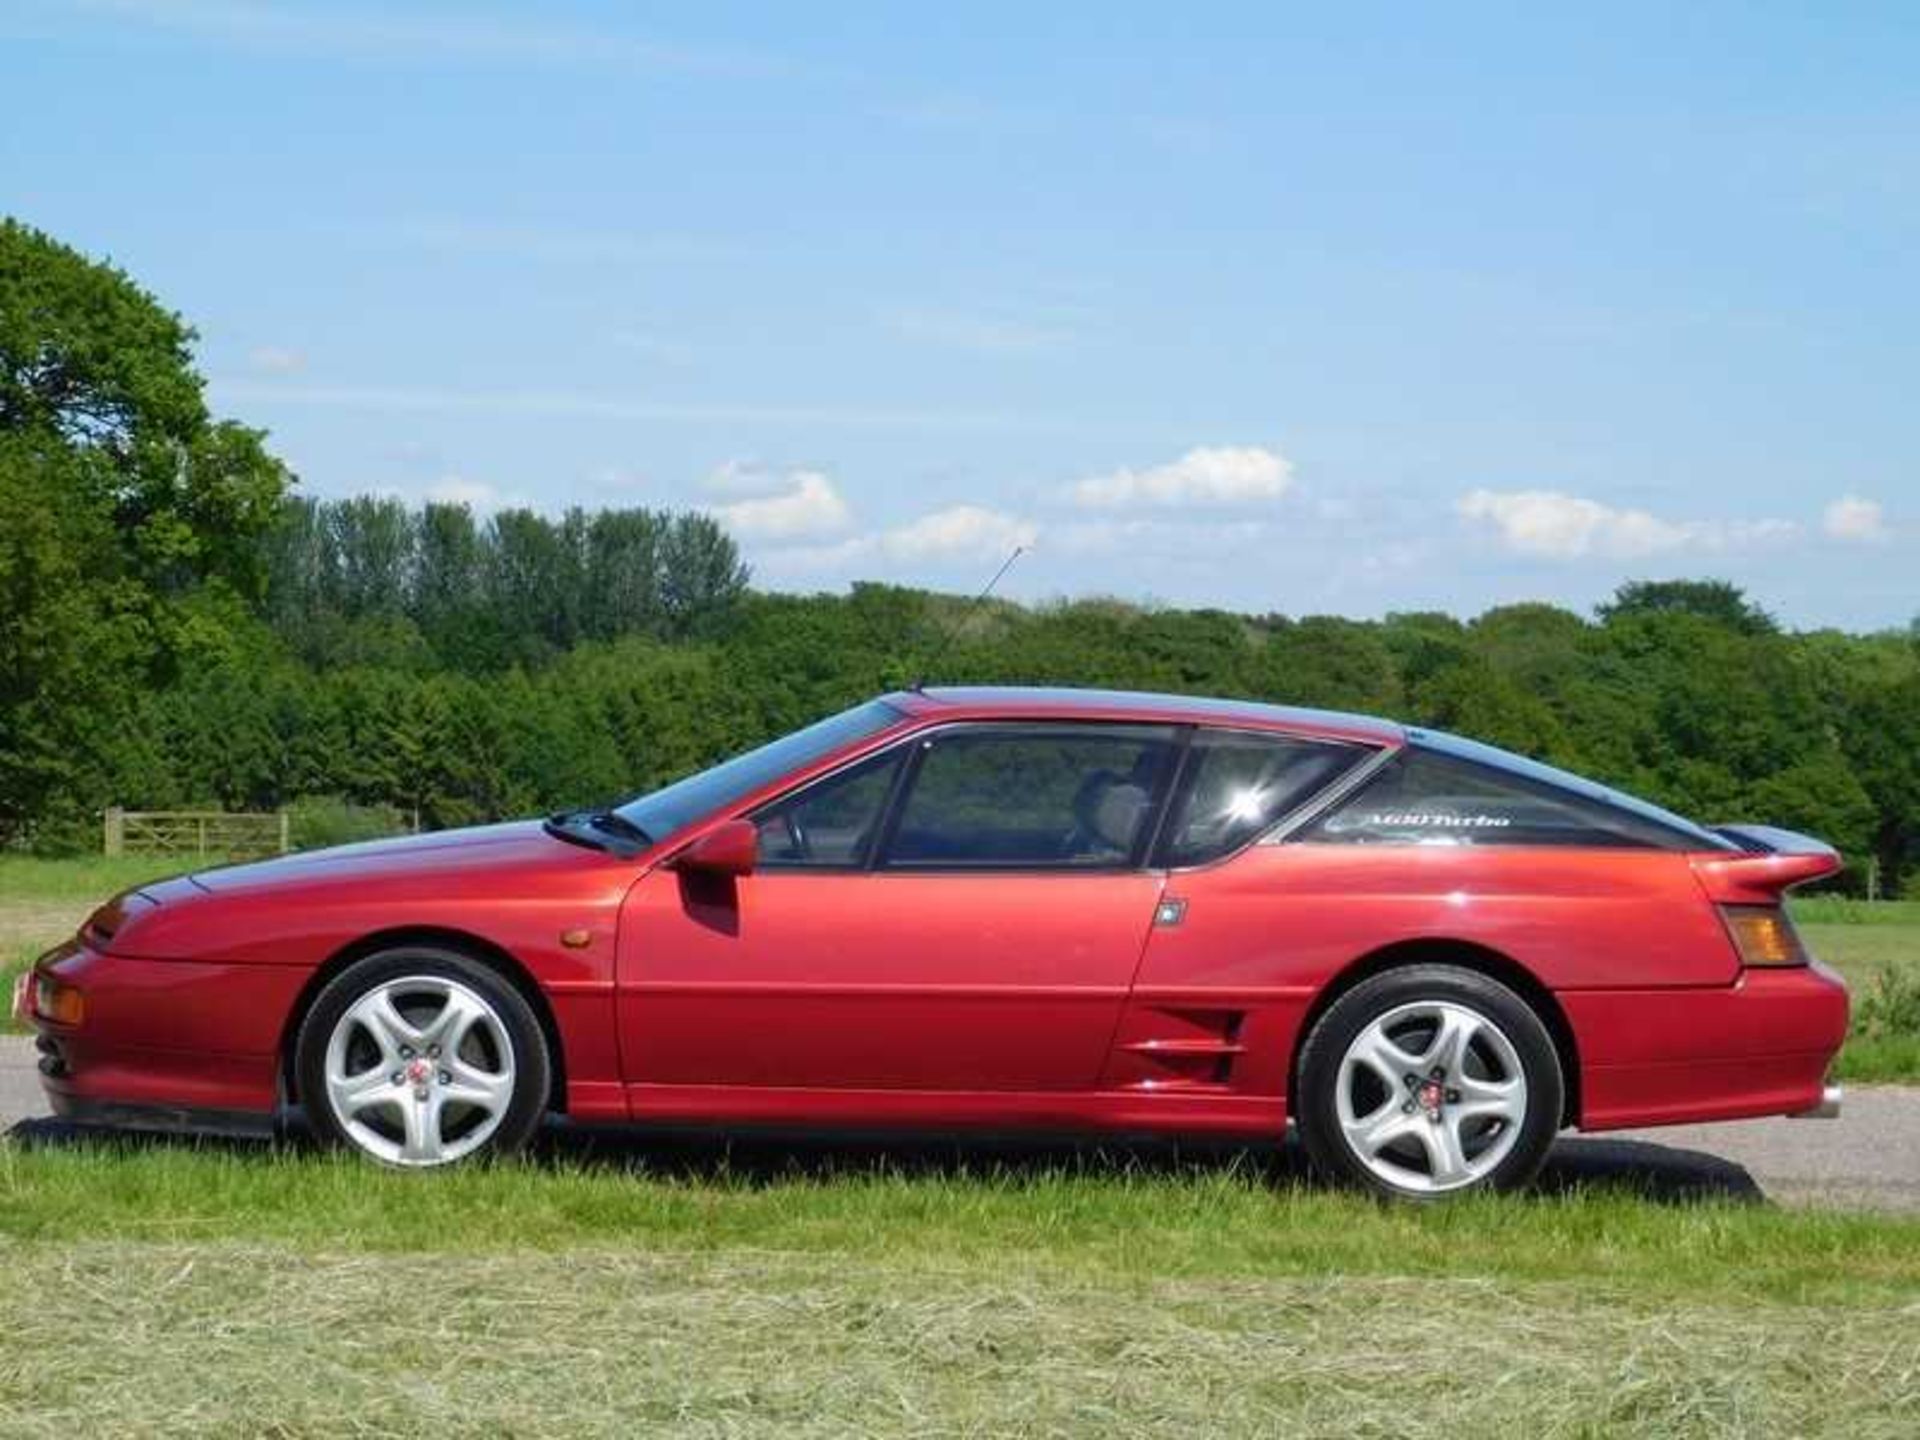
1431	1096
419	1072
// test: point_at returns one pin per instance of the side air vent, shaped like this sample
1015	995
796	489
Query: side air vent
1180	1048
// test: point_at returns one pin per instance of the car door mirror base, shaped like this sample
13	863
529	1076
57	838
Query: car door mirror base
730	848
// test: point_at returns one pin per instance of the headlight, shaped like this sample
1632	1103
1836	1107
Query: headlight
58	1003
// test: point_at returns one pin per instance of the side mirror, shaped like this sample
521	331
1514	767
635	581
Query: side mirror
731	848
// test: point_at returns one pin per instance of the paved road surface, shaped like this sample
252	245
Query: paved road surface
1870	1156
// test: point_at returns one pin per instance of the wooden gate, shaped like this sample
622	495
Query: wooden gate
195	832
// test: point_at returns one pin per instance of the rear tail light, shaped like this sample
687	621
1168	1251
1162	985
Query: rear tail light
1763	935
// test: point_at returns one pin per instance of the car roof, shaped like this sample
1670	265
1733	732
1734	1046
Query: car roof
1022	702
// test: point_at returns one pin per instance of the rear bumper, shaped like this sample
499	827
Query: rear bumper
1761	1046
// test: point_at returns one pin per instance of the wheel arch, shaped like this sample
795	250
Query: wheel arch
474	947
1467	955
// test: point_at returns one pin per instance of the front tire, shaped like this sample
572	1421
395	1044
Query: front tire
421	1057
1429	1080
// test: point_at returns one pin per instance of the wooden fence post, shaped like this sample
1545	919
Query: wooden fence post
113	837
286	832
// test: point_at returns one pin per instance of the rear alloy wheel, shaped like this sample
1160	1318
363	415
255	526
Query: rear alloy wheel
1427	1081
421	1058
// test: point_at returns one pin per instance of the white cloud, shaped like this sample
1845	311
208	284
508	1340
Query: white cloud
276	360
1559	526
1853	518
957	535
1209	475
747	479
805	503
961	532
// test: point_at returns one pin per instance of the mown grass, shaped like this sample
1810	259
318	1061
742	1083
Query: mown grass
1108	1213
160	1290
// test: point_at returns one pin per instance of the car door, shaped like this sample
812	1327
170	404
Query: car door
963	912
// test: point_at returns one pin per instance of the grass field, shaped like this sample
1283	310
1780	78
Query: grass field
162	1290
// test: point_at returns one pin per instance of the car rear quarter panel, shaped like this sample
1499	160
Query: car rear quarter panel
1577	919
1263	935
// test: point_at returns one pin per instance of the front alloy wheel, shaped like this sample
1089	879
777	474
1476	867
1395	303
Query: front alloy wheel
421	1058
1429	1080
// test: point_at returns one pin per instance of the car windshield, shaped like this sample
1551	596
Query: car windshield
676	806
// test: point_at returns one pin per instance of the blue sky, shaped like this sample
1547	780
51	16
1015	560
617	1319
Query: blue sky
1309	309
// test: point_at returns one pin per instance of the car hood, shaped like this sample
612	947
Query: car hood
439	850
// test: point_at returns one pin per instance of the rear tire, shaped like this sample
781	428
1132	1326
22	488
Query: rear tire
1427	1081
421	1057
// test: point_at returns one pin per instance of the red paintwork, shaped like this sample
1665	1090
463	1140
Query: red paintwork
1002	999
728	849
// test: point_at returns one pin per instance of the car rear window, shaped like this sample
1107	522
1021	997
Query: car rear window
1425	797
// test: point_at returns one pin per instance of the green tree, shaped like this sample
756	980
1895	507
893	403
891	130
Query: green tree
121	500
1720	601
92	366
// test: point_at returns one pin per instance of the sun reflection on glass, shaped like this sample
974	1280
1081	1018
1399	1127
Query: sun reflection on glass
1248	804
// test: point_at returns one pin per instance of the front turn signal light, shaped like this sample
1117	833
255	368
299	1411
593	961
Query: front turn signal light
1763	935
57	1003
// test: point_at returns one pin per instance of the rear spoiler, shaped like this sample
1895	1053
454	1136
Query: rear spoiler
1772	862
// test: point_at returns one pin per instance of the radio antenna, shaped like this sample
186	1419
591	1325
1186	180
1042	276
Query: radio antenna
946	640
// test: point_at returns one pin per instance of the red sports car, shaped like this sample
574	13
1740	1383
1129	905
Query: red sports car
1051	909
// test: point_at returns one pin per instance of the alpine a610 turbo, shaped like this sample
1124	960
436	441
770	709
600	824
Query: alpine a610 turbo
1008	908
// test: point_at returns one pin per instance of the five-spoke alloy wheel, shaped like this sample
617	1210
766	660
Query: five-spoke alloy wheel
1427	1080
421	1057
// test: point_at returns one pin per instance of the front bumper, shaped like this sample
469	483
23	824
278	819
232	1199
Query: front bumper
162	1044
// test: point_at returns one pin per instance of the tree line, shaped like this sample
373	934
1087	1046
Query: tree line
362	579
179	627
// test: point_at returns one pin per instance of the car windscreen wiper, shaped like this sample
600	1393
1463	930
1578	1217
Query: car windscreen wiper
612	822
598	830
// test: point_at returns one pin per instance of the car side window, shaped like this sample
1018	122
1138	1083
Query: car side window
1236	785
1040	797
1425	798
830	823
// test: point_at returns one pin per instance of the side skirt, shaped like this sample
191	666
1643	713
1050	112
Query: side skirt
1134	1110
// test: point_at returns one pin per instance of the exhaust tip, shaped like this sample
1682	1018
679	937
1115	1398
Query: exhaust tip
1827	1109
